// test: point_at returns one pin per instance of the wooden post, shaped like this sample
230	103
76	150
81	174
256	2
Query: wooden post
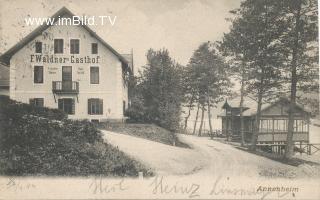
300	147
272	129
309	149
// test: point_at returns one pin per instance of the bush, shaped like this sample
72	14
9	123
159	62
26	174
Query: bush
31	144
15	110
137	112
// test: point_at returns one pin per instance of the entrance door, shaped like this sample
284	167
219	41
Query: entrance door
66	77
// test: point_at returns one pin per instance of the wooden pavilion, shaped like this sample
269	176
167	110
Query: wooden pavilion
273	123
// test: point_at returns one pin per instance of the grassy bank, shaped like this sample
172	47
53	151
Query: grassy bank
147	131
41	141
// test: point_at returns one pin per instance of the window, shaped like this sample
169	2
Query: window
38	47
74	46
94	48
38	74
38	102
67	105
300	126
266	125
280	125
58	45
94	75
95	106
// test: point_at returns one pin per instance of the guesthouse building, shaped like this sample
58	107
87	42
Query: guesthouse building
71	68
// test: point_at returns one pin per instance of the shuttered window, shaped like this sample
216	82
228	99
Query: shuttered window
94	75
38	102
67	105
94	48
38	74
74	46
95	106
58	45
38	47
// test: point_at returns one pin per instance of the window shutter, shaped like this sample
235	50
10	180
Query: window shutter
89	106
91	75
41	74
100	106
73	106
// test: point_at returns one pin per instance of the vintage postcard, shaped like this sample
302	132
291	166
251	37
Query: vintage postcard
159	99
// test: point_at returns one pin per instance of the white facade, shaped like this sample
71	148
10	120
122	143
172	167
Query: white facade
112	88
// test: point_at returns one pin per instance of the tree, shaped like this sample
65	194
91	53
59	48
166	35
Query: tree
257	27
234	47
189	94
160	84
300	41
209	79
196	120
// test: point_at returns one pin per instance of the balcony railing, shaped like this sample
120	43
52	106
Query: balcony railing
65	87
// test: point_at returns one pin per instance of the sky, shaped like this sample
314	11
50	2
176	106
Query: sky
178	25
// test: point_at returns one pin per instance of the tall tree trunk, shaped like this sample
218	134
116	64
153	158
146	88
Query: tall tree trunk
189	113
209	117
241	110
260	90
257	122
290	144
195	122
201	123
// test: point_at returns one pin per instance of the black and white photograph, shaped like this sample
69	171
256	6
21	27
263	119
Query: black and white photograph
159	99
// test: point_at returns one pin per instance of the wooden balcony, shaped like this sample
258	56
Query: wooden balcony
65	87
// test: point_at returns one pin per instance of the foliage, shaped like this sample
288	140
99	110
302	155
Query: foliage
207	81
33	145
208	75
147	131
274	43
158	95
253	44
15	110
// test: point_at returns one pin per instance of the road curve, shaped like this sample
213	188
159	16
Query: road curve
206	157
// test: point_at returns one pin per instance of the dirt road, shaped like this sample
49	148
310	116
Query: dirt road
206	157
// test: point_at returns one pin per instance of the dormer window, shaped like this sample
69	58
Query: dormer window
74	46
38	46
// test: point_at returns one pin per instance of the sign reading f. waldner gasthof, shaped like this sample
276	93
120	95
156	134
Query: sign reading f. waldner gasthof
71	68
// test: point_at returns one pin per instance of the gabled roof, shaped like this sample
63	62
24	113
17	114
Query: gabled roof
248	102
5	58
250	105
